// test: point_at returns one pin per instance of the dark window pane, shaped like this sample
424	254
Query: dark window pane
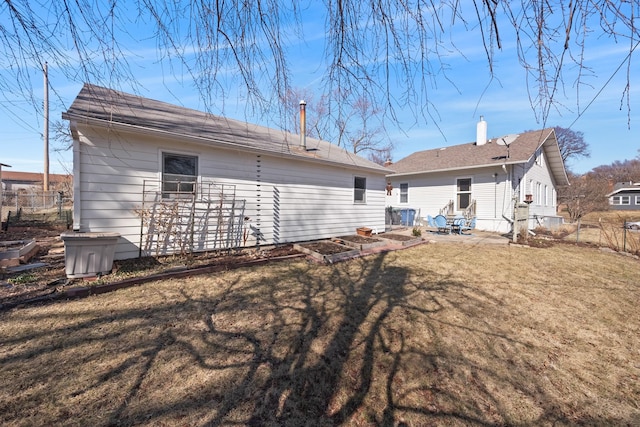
464	184
463	200
359	189
179	174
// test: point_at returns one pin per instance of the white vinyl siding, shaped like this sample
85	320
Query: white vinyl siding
286	200
538	177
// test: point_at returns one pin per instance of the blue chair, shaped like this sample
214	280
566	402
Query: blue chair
470	226
430	222
458	224
441	224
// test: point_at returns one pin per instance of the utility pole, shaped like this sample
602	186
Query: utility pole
45	182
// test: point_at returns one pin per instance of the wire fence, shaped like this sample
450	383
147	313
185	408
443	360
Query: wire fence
615	234
28	207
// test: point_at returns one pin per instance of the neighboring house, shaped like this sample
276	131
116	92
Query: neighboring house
30	181
143	166
625	196
483	179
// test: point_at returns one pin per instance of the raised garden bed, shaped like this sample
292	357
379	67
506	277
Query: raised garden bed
327	251
360	242
402	239
14	253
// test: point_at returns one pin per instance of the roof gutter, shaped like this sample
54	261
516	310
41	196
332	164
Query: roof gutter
457	168
203	141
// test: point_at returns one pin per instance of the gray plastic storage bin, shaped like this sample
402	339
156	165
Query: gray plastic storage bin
88	254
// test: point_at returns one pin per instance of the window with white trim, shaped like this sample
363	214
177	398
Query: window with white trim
538	194
359	189
404	192
463	193
637	200
179	174
621	200
546	195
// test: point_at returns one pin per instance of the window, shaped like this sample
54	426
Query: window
179	174
546	195
539	157
637	200
463	195
404	193
359	189
621	200
538	193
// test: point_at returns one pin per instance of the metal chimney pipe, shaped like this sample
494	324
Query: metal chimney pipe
303	125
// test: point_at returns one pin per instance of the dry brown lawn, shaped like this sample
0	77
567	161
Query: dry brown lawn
440	334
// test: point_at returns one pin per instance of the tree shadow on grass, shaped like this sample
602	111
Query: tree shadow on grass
359	342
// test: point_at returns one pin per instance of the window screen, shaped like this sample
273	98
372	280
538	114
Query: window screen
179	174
463	193
404	193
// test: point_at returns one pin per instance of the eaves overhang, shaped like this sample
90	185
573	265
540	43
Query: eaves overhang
454	169
209	142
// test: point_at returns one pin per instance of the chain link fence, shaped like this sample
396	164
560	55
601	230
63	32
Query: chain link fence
28	207
613	233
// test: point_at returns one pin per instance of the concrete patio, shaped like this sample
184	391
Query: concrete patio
473	237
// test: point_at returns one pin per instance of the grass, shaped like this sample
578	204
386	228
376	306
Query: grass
439	334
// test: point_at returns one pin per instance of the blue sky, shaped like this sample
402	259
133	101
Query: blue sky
600	111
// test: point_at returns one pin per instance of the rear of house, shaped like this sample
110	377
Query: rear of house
170	179
483	179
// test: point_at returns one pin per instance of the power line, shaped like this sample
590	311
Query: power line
605	84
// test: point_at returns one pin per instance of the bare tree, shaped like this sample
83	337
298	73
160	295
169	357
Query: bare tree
316	113
572	144
372	46
618	171
585	194
361	129
381	156
357	126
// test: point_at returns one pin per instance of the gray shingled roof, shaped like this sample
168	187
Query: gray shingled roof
98	105
629	188
470	155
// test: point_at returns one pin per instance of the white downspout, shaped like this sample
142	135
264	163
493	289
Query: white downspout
507	185
77	216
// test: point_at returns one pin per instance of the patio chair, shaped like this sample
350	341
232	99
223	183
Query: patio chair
458	224
430	222
470	226
441	224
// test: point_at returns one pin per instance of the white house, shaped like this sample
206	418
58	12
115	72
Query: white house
170	179
484	179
